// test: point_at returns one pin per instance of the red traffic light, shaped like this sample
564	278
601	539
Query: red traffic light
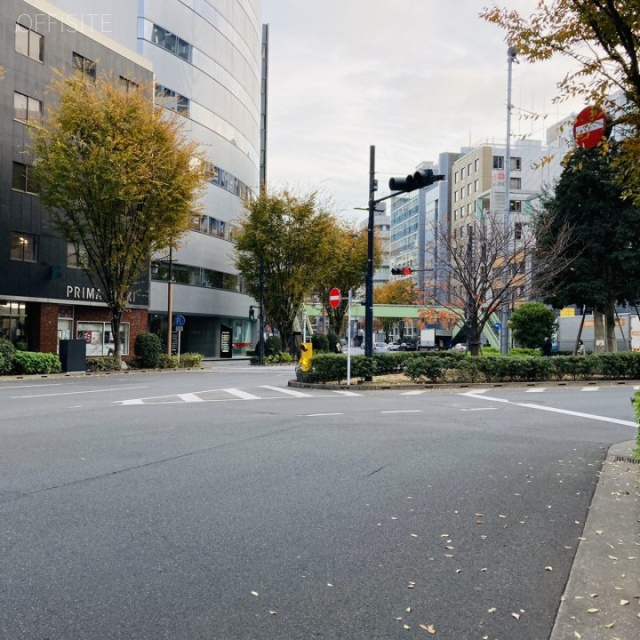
401	271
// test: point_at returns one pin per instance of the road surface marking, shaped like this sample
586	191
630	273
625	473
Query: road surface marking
590	389
241	394
316	415
30	386
190	397
536	390
404	411
539	407
414	393
291	392
480	409
347	393
73	393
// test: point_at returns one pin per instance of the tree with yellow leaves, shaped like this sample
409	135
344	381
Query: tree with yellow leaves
118	180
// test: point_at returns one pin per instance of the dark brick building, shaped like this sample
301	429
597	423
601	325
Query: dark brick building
44	296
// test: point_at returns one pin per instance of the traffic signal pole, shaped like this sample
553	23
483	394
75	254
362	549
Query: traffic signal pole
368	310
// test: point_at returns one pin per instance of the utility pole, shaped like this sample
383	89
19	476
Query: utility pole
504	316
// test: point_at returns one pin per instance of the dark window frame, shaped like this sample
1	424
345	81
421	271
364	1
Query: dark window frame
19	243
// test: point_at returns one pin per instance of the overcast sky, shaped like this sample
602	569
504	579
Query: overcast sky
413	77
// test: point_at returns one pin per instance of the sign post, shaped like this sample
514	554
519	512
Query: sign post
349	341
590	127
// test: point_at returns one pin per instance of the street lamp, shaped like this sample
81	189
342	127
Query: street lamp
504	316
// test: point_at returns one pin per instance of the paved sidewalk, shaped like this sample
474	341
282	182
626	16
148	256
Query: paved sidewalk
602	596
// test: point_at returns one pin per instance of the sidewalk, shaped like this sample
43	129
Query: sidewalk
602	596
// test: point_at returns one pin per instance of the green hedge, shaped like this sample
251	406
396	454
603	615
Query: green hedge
30	363
7	351
430	366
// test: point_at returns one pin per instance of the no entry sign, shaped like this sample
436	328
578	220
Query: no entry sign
590	127
335	297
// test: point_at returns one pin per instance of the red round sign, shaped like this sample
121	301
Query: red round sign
590	127
335	297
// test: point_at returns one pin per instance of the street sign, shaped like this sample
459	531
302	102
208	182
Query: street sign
497	326
178	321
590	127
335	297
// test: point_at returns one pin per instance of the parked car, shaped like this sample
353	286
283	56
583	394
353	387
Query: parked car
394	346
408	346
459	347
380	346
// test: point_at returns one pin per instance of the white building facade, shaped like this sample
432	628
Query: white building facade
207	57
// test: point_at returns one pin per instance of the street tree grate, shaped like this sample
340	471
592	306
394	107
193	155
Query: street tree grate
628	459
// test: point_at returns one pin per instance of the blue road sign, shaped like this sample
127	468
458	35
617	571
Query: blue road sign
178	321
497	326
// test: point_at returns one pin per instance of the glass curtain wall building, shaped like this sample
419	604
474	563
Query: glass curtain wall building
207	60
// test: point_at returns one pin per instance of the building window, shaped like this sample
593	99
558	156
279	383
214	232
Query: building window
498	162
515	183
469	189
476	164
456	177
22	179
476	186
24	247
26	108
455	196
29	43
99	338
76	256
515	164
462	173
515	205
172	100
171	42
469	169
518	230
84	65
127	85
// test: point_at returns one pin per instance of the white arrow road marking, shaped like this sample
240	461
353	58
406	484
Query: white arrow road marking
241	394
291	392
539	407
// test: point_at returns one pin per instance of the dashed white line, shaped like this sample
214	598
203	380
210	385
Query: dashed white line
404	411
190	397
316	415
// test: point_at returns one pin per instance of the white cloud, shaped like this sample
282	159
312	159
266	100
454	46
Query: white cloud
413	77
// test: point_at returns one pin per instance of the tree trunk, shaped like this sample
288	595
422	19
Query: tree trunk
610	311
475	337
599	334
116	320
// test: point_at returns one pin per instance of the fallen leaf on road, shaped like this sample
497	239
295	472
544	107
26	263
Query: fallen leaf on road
548	568
623	602
492	610
576	634
593	610
408	609
414	535
610	625
406	627
428	627
272	612
613	557
516	616
254	593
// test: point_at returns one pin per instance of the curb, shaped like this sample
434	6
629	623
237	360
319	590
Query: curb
602	596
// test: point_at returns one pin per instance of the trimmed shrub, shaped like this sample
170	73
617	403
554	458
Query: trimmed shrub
165	361
103	363
320	343
147	348
424	369
191	360
7	351
272	346
30	363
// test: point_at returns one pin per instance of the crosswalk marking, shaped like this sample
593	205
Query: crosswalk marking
536	390
190	397
291	392
414	393
590	389
238	393
347	393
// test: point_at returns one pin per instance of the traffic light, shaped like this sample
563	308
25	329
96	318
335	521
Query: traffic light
252	313
401	271
421	178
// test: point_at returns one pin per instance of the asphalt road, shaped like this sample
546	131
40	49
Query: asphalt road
222	505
